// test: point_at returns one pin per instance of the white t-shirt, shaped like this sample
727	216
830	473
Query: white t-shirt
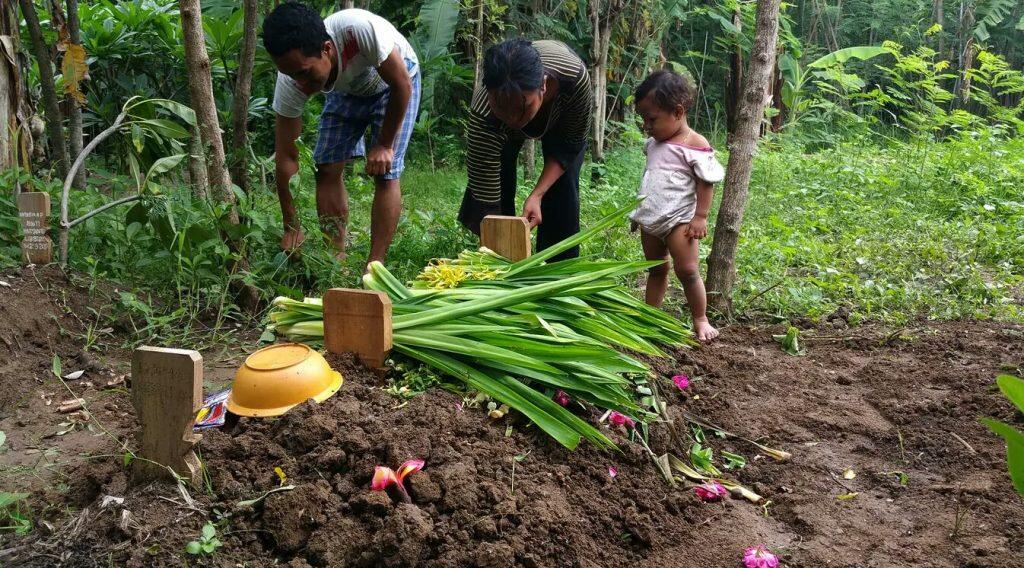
363	41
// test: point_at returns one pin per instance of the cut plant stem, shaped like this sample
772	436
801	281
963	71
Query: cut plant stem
778	455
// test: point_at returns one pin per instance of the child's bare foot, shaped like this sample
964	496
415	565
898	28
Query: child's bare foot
704	331
292	240
338	249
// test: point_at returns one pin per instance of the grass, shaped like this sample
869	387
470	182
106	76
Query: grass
888	233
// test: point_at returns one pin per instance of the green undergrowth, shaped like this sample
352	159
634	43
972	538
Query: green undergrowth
886	233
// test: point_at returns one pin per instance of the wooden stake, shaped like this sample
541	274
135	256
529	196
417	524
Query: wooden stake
167	391
507	236
34	211
358	321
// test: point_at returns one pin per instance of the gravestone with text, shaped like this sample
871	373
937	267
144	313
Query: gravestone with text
34	211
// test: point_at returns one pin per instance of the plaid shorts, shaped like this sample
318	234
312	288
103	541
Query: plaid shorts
345	118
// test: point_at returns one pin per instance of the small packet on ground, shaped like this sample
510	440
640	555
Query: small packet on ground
213	412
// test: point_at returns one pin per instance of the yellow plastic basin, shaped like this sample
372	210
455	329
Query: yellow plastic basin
276	378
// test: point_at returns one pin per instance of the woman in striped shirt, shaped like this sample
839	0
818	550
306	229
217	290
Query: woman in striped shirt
540	90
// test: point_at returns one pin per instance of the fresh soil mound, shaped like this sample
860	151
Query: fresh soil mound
492	493
499	493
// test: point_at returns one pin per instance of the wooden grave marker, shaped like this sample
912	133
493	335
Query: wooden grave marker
358	321
167	391
507	236
34	212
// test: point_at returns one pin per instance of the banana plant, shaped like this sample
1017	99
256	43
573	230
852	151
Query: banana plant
438	20
797	77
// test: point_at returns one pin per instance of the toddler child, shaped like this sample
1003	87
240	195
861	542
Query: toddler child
678	188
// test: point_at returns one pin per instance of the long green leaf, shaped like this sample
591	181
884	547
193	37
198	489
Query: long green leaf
559	430
572	241
1013	388
843	55
1014	451
470	348
471	307
438	21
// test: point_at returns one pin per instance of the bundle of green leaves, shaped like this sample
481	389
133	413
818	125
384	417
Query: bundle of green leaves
517	331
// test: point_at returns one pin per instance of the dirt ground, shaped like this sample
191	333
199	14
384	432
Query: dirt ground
891	405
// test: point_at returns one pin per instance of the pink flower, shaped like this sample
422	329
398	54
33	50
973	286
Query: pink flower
562	398
711	491
612	472
759	557
619	419
384	477
681	381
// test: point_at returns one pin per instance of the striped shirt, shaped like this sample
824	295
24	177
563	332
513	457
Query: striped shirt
567	127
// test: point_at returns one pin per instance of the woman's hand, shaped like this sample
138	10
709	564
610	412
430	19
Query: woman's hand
531	210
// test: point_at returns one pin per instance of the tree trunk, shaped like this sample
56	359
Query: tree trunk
478	78
735	81
240	106
602	17
54	122
9	90
77	137
197	164
348	4
940	18
200	88
965	55
780	108
722	261
597	73
530	159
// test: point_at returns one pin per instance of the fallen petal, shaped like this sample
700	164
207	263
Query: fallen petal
612	472
619	419
759	557
75	375
562	398
408	468
711	491
681	381
382	478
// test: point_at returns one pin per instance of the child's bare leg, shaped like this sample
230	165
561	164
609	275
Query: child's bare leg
686	258
657	277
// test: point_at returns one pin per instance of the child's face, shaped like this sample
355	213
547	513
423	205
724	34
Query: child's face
659	123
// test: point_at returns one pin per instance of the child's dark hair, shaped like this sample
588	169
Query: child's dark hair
668	89
513	66
293	25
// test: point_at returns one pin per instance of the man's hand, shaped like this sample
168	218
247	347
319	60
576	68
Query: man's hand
697	228
531	211
378	160
286	162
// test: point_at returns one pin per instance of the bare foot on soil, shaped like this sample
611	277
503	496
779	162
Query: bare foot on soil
704	331
337	244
